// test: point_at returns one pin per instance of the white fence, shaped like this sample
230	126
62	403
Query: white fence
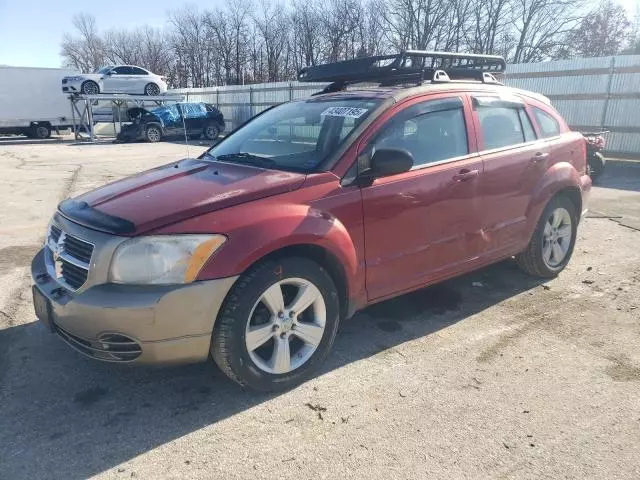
591	93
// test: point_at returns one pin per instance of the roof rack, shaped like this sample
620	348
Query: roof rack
410	66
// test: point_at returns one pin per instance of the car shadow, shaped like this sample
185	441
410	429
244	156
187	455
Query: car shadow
64	416
17	140
620	175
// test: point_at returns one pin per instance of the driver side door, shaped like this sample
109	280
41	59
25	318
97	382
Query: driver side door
422	225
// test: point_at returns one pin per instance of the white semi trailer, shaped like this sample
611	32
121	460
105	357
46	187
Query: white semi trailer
32	102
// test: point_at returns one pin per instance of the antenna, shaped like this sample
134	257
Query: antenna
184	128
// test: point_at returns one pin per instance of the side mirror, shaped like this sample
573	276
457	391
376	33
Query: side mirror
109	73
390	161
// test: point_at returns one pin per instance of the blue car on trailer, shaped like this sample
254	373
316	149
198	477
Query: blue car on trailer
197	119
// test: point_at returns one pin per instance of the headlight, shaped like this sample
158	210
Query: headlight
163	259
75	79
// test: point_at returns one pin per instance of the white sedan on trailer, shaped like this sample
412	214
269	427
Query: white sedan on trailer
116	79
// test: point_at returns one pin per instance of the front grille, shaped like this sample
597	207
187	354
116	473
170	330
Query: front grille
78	248
71	257
73	276
55	232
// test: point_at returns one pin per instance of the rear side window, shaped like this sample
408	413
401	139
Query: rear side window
504	126
138	71
549	126
122	70
431	136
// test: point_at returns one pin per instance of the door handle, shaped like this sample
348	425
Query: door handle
540	156
465	175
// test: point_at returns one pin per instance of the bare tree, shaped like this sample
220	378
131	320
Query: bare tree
238	16
541	28
307	32
85	52
273	29
604	31
339	19
412	24
243	42
490	20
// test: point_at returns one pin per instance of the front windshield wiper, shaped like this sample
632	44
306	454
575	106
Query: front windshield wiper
247	158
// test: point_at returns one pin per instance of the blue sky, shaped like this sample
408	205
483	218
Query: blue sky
31	30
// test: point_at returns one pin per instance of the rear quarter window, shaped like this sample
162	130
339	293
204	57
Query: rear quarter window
549	126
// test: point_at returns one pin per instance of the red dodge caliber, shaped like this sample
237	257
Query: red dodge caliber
254	252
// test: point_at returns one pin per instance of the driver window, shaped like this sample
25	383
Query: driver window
430	136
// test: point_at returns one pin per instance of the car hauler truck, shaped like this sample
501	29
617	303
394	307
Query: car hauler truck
31	102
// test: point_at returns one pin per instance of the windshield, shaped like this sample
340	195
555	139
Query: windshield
295	136
105	69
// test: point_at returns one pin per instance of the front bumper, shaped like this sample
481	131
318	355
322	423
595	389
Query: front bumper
162	324
131	133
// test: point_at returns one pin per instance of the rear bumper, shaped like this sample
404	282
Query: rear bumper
585	188
137	324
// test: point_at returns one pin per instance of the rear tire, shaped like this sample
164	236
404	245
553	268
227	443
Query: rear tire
552	242
153	134
152	90
90	88
258	326
40	132
596	165
211	131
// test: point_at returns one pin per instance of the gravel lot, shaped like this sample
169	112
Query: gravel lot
492	375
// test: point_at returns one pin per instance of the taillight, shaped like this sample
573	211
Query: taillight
599	141
583	157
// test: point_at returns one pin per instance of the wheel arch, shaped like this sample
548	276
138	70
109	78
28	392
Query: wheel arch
323	257
144	90
561	179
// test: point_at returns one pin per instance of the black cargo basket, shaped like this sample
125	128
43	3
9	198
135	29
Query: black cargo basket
408	66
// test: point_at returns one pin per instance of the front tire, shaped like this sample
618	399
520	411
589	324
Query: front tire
90	88
552	242
153	134
277	324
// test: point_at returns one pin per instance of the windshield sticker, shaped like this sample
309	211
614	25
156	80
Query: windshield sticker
348	112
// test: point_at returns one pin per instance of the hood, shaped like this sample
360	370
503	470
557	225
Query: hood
178	191
88	76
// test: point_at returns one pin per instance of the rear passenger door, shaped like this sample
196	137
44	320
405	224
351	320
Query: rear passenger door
514	161
139	79
195	117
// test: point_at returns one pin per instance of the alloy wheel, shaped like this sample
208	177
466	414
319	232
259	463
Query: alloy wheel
211	132
152	89
556	237
286	326
90	88
153	134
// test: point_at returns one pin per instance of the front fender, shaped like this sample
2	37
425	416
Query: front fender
559	176
255	231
